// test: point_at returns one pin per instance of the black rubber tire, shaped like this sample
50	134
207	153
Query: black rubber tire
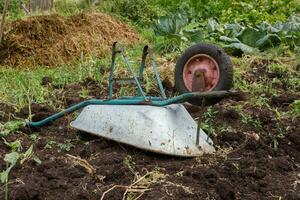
225	67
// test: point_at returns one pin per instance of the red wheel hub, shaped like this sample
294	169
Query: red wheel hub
203	63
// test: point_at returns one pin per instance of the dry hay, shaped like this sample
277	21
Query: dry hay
54	40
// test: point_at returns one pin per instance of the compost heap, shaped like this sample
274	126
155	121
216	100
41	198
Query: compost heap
54	40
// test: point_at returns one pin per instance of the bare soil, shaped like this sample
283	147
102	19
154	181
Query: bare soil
246	165
55	40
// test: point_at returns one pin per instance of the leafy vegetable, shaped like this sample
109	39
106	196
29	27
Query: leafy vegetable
11	159
176	32
263	36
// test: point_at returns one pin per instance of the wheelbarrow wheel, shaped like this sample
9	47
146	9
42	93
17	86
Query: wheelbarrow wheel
203	68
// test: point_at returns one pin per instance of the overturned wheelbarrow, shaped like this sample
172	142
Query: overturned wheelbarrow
203	76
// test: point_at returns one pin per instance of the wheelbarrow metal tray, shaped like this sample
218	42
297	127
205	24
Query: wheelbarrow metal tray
168	129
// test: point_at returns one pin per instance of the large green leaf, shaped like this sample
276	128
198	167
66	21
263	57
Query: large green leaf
269	40
213	26
293	24
233	30
194	36
292	40
12	158
4	176
266	27
167	25
229	40
243	47
193	33
249	36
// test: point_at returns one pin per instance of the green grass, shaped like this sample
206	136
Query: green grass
21	87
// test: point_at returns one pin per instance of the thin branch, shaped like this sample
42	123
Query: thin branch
110	189
25	9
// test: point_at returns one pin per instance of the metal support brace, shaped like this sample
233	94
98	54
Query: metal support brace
156	72
119	49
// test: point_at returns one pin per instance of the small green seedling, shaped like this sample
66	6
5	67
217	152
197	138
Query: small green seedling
15	145
11	160
34	137
11	127
295	109
207	124
49	144
84	93
66	146
128	162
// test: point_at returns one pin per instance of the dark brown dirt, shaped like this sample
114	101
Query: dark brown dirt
6	112
246	166
54	40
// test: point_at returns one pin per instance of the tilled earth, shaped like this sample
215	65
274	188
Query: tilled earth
251	162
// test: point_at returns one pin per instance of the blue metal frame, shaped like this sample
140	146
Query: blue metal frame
152	101
141	99
117	48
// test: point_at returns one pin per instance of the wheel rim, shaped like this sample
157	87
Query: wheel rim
203	63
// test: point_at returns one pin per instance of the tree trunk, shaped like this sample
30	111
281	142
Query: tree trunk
5	7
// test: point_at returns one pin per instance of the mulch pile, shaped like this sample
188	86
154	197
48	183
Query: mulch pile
53	40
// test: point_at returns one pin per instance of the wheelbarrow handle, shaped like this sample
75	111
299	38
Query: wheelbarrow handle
132	101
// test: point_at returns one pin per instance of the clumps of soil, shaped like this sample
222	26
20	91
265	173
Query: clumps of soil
40	112
54	40
285	99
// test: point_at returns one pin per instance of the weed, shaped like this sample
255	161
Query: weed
11	160
84	93
49	144
207	125
250	120
224	128
11	127
261	101
276	139
128	162
295	109
34	137
66	146
15	145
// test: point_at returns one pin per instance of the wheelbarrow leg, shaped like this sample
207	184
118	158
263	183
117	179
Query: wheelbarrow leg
198	85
